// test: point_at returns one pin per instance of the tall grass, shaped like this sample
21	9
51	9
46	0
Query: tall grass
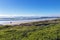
46	32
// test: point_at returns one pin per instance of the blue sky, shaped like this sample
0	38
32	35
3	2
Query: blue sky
29	7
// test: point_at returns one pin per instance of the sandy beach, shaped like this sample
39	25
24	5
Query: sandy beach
21	21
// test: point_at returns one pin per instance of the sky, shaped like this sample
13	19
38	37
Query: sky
29	7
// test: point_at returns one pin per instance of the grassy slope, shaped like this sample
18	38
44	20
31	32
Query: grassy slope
48	32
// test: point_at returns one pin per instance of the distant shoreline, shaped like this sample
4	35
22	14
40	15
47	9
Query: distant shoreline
25	21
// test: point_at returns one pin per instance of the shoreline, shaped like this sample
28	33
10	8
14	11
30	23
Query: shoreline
25	21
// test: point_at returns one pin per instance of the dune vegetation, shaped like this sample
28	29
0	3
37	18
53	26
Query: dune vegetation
43	30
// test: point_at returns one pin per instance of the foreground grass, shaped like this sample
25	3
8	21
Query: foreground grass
47	32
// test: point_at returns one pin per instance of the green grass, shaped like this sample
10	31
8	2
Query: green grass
48	32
